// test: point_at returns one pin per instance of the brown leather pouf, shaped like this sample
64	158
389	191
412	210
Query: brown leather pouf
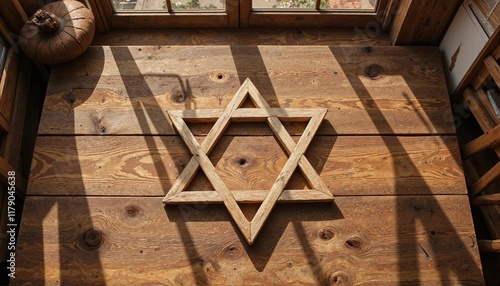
59	32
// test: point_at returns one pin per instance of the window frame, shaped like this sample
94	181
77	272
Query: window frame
238	13
3	53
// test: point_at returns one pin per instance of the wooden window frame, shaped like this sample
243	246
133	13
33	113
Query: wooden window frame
237	14
262	17
3	53
488	17
8	77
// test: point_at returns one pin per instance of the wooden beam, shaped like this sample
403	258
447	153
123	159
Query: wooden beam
485	102
247	114
485	180
488	140
491	214
248	197
483	118
489	245
493	68
485	200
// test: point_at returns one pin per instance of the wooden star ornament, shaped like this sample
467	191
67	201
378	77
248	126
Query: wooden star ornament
222	118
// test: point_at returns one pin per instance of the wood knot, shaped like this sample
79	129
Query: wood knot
92	238
353	243
368	49
177	97
132	211
219	76
69	97
242	162
233	251
326	234
340	278
373	71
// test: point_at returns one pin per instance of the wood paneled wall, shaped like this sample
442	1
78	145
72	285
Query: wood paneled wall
422	22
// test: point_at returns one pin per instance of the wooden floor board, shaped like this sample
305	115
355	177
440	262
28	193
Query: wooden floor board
138	166
421	239
135	85
247	36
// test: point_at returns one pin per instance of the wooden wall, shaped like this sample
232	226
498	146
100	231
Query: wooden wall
22	87
422	22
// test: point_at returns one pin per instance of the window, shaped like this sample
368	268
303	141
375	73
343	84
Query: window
3	54
183	5
339	5
237	13
166	6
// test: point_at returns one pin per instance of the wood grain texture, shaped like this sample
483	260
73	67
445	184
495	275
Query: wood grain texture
422	22
421	240
249	36
246	197
131	91
148	166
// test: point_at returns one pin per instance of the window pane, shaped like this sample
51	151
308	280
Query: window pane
161	5
283	3
349	4
197	4
324	4
3	53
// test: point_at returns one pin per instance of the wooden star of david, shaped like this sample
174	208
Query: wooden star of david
222	194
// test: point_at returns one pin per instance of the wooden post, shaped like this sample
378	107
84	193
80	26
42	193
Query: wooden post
488	140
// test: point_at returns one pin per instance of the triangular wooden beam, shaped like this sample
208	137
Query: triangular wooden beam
262	112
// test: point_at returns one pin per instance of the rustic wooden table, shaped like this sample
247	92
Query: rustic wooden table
107	154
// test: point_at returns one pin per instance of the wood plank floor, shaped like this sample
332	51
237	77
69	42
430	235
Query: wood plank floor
107	153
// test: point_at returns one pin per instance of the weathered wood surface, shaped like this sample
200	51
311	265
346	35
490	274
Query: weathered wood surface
149	165
386	150
249	36
127	90
421	239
